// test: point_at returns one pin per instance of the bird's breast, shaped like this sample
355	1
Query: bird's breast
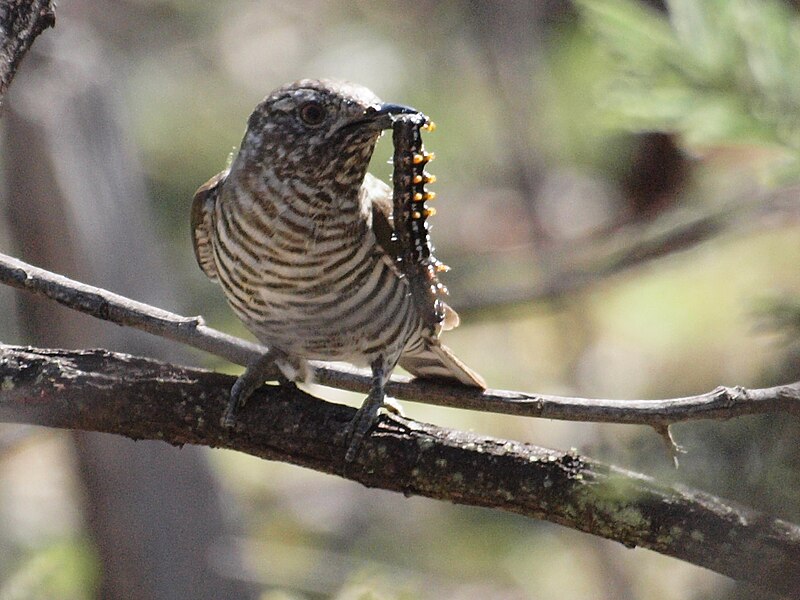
312	282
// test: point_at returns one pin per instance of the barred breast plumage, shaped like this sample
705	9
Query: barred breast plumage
298	235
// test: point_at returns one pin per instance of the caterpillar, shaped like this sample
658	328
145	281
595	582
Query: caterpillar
410	213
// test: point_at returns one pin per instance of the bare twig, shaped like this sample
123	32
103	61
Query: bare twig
721	403
140	398
21	21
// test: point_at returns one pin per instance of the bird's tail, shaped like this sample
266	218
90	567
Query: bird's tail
436	361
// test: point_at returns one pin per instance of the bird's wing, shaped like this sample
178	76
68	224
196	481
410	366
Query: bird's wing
431	360
379	195
205	199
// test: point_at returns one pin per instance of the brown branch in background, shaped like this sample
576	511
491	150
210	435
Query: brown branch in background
722	403
21	22
582	265
97	390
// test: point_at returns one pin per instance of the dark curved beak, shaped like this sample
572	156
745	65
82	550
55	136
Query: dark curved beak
381	115
389	110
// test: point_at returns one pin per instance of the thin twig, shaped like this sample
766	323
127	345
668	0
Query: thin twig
721	403
140	398
584	264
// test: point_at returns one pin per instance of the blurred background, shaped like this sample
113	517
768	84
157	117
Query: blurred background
617	198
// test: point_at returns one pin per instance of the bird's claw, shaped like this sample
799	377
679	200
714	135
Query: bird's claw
359	427
235	400
254	376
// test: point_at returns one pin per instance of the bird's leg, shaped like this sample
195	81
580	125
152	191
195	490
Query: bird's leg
258	371
368	413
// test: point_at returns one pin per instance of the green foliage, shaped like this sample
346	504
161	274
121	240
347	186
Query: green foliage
66	569
781	314
717	72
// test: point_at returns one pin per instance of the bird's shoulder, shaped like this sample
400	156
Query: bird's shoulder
376	197
203	204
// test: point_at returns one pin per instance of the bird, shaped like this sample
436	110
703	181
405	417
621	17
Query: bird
300	238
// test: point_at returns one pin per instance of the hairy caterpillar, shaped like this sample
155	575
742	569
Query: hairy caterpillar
411	213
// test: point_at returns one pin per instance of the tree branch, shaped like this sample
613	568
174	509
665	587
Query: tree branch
580	265
721	403
21	21
96	390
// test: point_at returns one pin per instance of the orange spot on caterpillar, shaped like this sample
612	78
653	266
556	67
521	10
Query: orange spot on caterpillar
424	157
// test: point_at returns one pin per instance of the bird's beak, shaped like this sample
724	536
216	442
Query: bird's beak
389	110
380	115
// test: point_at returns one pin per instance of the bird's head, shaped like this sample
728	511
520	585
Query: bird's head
317	131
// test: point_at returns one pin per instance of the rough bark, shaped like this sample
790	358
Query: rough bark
721	403
143	399
21	22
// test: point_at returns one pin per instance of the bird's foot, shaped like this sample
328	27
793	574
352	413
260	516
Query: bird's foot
257	372
364	420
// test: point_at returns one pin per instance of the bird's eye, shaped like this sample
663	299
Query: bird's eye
312	113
